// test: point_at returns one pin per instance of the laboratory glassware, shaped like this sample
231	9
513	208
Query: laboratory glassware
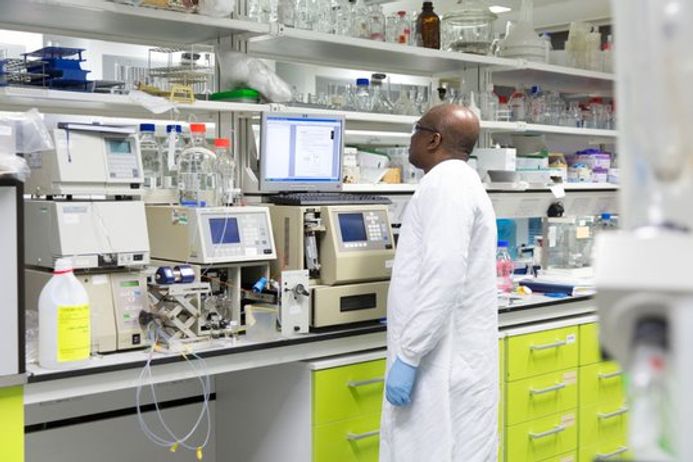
469	28
376	23
489	103
171	149
226	172
197	176
399	28
379	100
504	268
362	97
428	27
151	157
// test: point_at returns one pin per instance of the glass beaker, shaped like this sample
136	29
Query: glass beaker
469	29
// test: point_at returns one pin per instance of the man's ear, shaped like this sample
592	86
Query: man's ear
435	141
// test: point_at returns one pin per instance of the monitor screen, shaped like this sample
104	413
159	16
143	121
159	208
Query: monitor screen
301	152
119	146
224	230
352	227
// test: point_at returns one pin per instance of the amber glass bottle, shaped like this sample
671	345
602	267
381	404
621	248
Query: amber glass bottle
428	27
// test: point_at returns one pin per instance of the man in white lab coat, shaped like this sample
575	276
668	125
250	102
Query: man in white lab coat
441	388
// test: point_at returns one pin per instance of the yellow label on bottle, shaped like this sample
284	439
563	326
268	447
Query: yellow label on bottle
74	333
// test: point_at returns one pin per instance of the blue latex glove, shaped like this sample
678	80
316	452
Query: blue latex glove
400	383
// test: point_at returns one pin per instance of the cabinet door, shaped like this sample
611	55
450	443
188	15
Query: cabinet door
539	353
347	392
542	396
543	438
604	426
601	383
353	440
590	351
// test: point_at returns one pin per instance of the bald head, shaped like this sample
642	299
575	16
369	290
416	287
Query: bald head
458	126
445	132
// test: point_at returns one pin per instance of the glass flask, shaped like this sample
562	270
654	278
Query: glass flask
379	100
151	157
468	29
226	172
399	28
376	23
196	171
360	16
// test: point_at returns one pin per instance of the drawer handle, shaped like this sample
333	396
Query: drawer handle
609	455
609	415
548	346
610	375
541	391
363	383
362	436
554	431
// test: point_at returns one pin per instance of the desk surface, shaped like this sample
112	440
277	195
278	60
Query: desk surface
121	370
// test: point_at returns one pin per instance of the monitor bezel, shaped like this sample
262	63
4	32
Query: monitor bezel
276	186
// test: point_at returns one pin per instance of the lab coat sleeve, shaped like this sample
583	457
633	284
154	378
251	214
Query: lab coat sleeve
446	216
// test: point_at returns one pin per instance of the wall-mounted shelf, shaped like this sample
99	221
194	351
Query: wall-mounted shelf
117	22
552	77
297	45
71	102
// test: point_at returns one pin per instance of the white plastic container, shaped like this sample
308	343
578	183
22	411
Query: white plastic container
64	320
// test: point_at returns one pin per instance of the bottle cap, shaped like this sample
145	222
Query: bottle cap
198	128
606	216
401	13
222	143
63	265
147	127
362	82
428	4
503	244
177	128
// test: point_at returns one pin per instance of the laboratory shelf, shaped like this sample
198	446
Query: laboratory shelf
297	45
104	104
355	116
511	188
106	20
527	128
553	77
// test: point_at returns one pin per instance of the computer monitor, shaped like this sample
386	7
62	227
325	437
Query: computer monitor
301	152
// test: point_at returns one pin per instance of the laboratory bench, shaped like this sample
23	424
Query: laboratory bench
315	397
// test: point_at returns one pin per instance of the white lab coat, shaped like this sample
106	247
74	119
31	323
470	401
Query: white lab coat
443	317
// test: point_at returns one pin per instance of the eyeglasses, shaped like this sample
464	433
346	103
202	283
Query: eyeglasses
418	127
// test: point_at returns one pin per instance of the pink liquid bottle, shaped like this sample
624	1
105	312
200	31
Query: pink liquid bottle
504	268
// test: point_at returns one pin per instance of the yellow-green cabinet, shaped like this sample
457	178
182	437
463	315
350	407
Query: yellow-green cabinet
541	395
603	431
347	404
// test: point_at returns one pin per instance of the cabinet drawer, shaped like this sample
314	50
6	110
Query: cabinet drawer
353	440
543	438
590	351
604	426
605	453
348	392
542	396
601	383
567	457
539	353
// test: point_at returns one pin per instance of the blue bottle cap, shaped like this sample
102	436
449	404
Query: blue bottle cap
362	82
177	128
503	244
606	216
147	127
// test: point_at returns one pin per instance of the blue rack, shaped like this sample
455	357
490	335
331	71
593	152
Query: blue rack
60	68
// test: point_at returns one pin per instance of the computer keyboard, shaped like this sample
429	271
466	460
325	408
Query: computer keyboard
311	198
